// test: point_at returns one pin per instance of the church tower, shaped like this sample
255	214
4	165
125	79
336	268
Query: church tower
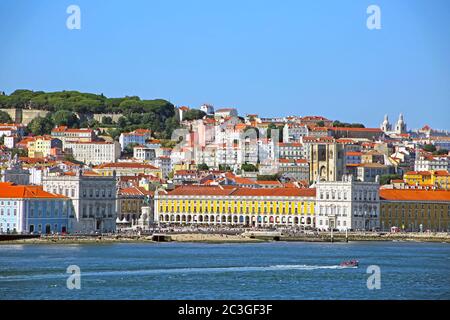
385	125
400	127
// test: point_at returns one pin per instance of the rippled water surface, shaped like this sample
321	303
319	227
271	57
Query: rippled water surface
276	270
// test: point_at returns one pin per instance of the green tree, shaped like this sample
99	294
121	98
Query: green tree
223	167
39	126
249	167
65	118
429	148
5	117
122	122
339	124
387	178
19	152
203	167
193	114
114	133
272	177
107	120
128	150
269	129
440	152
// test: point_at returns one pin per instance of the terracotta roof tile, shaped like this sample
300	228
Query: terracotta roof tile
414	195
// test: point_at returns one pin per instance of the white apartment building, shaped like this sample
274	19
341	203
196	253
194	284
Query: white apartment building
144	153
94	153
347	205
10	141
164	163
267	150
15	174
293	150
225	113
66	134
294	168
293	132
431	163
206	155
139	136
93	198
207	108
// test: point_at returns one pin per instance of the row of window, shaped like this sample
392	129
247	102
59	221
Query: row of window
358	195
8	212
246	210
8	203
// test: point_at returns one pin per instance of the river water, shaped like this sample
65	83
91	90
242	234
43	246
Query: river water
274	270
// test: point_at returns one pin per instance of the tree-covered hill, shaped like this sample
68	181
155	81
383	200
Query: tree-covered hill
157	115
82	102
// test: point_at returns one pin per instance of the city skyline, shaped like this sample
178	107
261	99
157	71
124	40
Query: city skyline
295	59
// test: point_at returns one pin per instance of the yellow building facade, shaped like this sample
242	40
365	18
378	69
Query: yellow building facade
415	210
235	206
440	178
40	146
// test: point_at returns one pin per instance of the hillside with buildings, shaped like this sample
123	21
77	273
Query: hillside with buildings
223	169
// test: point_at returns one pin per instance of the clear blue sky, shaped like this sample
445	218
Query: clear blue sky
266	57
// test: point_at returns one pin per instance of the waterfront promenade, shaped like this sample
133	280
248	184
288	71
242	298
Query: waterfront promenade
213	234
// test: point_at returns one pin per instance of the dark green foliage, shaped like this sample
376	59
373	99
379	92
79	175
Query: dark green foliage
114	133
387	178
65	118
223	167
107	120
273	177
347	125
81	102
19	152
203	167
4	117
249	167
321	124
128	150
429	148
193	114
39	126
440	152
157	115
269	130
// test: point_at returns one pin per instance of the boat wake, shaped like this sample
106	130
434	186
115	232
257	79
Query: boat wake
143	272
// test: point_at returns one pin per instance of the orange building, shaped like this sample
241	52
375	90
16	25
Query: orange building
415	210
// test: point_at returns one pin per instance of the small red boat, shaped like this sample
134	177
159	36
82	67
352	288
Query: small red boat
350	263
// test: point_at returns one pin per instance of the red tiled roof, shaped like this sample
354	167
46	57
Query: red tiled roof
201	190
414	195
268	182
65	129
290	144
318	118
422	173
276	192
131	191
123	165
240	180
10	191
236	191
357	129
